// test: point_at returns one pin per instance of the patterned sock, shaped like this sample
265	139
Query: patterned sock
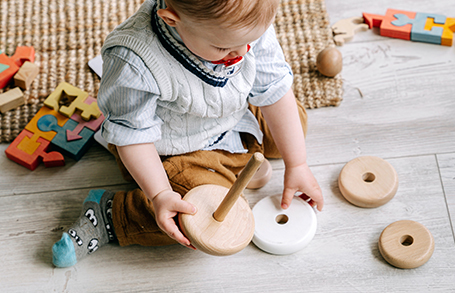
93	229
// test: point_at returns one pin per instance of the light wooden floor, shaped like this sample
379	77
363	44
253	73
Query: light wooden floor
406	116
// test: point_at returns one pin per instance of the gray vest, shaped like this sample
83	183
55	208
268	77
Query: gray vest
193	110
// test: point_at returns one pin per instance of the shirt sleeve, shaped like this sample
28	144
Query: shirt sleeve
273	74
128	97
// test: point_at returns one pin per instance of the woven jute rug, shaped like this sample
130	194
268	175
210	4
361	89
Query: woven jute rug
66	34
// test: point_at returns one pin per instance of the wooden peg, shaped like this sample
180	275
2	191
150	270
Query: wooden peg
232	228
406	244
238	187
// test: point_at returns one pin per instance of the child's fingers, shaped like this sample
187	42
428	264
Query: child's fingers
185	207
173	231
288	194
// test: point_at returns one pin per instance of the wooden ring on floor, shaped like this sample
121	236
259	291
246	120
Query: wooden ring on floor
368	181
406	244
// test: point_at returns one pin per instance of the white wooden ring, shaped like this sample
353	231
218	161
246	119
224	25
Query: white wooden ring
406	244
279	231
368	181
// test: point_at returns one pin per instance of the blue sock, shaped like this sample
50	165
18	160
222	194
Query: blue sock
91	230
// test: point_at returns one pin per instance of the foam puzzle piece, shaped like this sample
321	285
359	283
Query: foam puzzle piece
7	74
31	161
418	32
3	67
448	29
32	126
86	105
74	149
93	124
345	29
64	90
22	54
26	74
11	99
77	97
386	28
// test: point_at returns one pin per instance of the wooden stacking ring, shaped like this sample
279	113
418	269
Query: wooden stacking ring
224	222
262	176
368	182
281	231
406	244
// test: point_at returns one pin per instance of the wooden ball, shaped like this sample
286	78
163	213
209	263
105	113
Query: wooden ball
329	62
368	182
406	244
207	234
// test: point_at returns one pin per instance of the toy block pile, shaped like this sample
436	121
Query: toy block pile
415	26
22	70
58	130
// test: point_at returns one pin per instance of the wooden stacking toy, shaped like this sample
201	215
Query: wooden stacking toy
368	181
281	231
262	176
224	222
406	244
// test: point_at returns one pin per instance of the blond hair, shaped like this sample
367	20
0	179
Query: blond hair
234	13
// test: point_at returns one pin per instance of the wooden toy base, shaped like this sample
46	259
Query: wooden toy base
281	231
368	182
207	234
406	244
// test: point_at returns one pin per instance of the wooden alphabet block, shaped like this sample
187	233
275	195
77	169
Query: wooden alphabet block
22	54
7	74
26	74
11	99
31	161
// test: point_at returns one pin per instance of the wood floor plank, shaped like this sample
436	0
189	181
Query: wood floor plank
397	101
96	168
447	170
343	257
406	108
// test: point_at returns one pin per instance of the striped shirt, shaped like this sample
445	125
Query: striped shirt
131	94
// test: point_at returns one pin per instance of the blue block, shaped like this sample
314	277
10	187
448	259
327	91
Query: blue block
74	149
418	32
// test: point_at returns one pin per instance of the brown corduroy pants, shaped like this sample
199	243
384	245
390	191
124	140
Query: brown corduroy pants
133	213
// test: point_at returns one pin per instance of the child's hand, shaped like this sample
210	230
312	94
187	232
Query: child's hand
299	178
167	205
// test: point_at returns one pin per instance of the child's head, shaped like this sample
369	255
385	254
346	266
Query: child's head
219	29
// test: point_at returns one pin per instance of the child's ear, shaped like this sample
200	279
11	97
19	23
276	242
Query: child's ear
168	16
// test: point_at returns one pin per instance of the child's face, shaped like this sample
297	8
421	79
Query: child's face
214	42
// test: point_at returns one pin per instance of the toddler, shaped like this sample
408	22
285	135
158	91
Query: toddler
190	89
